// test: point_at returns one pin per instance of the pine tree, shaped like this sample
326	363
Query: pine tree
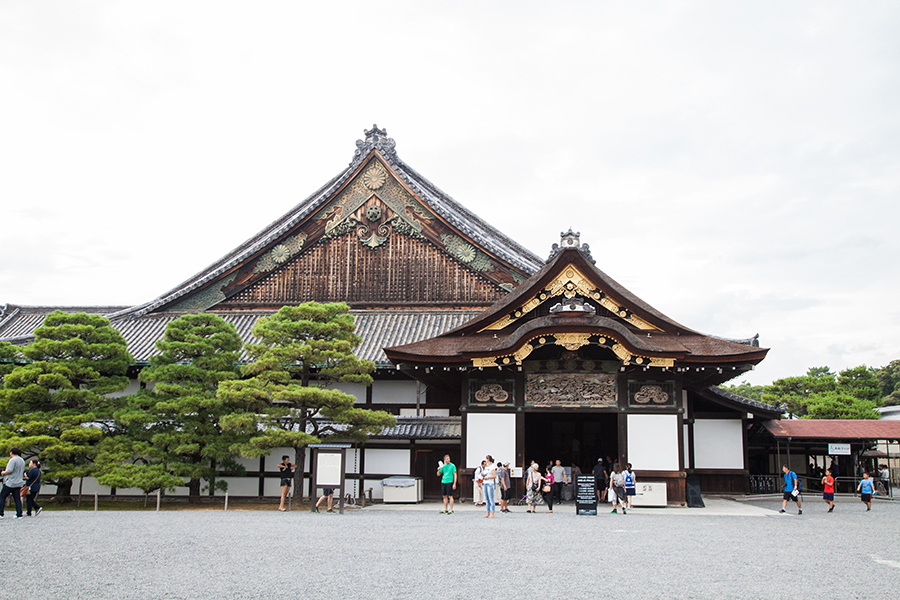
172	432
57	406
301	350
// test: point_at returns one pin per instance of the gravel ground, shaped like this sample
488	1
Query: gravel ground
419	554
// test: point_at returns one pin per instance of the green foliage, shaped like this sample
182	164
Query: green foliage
743	388
57	405
9	356
821	394
889	380
301	349
173	432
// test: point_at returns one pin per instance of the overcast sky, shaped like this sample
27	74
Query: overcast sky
736	165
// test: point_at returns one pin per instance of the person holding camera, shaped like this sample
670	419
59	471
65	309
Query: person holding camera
287	478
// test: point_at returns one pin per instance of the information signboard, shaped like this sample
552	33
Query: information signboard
839	449
585	497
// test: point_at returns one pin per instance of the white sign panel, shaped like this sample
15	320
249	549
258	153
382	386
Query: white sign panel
490	433
328	469
653	442
843	449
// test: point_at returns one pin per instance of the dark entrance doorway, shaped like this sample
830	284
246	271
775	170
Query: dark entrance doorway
573	438
426	460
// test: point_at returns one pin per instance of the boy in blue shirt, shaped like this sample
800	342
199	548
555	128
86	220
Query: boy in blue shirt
791	490
866	489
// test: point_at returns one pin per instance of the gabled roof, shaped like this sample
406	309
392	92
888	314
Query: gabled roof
591	309
211	281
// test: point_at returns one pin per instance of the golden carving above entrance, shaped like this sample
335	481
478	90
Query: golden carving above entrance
569	283
572	341
550	390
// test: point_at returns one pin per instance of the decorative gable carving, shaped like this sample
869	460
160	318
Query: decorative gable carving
569	283
375	205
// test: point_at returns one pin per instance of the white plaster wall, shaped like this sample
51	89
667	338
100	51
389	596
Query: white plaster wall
387	461
354	389
687	445
425	412
718	444
653	442
493	434
241	486
377	488
133	387
395	392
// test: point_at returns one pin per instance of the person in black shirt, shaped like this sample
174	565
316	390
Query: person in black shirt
601	480
33	484
287	478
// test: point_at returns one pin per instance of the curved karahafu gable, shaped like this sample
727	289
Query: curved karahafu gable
572	304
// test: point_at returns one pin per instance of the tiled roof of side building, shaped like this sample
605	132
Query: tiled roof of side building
749	402
19	322
376	139
407	428
378	328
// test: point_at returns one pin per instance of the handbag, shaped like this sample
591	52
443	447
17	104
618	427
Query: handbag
546	489
25	491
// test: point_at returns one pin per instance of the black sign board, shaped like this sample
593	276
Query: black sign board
585	497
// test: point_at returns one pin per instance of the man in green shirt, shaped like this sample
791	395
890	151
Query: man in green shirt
447	472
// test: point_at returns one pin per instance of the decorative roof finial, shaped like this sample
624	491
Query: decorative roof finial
571	239
376	139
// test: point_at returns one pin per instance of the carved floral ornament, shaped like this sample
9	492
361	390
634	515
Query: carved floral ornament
651	394
492	392
572	342
569	283
280	254
376	205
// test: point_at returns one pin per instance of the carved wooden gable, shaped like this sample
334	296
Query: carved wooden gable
403	271
374	243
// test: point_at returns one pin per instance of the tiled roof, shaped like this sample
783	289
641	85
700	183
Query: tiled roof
17	322
407	428
424	428
446	207
834	429
378	328
748	402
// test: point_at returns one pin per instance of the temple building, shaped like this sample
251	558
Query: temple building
481	346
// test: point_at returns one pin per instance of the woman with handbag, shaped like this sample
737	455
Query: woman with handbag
533	487
32	487
617	489
548	489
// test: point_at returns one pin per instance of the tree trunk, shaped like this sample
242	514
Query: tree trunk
194	484
63	491
194	491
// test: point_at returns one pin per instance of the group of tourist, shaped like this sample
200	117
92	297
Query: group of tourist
19	484
793	488
614	484
489	478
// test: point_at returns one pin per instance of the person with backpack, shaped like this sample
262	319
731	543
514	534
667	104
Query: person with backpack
792	489
630	487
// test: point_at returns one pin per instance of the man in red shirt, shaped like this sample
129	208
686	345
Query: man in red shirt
828	495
